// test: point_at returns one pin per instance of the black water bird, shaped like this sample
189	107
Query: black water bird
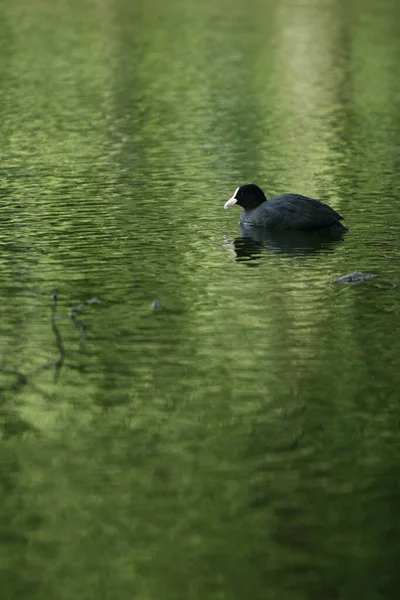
288	211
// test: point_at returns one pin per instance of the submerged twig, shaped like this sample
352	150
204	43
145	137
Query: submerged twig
80	307
78	324
22	379
57	335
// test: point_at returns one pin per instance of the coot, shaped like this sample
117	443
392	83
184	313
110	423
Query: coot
289	211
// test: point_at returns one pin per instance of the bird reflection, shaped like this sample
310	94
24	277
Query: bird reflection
254	241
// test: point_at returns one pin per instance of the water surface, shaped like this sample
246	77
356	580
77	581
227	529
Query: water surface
240	439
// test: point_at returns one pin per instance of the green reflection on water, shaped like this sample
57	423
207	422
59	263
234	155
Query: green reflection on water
242	440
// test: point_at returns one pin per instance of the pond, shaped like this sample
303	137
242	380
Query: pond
190	410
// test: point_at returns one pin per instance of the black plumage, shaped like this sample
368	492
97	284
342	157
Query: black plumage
288	211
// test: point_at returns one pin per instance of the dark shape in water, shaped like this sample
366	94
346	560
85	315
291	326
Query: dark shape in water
256	240
289	211
354	278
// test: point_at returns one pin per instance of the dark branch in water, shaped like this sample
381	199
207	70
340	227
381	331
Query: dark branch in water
80	307
79	325
77	322
57	335
22	379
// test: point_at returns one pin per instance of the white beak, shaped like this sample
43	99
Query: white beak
230	202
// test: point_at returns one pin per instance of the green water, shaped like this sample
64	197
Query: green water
242	440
